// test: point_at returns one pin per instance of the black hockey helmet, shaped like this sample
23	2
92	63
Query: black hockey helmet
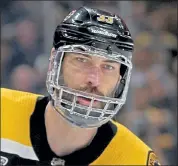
96	33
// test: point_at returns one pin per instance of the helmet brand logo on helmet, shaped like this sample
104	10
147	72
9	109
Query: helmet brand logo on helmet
101	32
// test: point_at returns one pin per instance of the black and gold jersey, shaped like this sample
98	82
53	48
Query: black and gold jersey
24	140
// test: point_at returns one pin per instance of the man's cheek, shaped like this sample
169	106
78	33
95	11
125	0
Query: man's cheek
74	83
106	88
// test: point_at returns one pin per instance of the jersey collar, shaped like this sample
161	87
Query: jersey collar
83	156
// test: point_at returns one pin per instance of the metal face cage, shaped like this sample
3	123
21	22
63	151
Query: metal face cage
65	98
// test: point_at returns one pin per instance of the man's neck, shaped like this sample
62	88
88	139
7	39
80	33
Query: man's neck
63	138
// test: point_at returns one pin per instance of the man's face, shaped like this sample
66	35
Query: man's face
90	74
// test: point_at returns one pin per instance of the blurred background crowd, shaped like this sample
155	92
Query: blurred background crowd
151	110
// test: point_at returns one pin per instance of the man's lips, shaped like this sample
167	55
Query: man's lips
85	101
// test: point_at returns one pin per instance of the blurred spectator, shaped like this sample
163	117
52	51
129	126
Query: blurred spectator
139	14
24	78
6	55
146	58
151	124
25	44
160	20
41	65
161	90
13	12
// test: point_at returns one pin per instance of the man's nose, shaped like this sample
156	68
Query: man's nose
93	76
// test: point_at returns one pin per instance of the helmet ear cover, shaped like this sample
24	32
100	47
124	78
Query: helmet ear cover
123	73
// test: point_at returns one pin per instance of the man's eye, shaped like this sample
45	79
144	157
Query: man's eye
84	60
109	67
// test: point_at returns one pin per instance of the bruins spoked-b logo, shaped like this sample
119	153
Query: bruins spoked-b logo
152	159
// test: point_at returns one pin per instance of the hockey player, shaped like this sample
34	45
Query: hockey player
88	79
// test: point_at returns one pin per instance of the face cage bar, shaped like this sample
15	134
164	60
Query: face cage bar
88	109
54	84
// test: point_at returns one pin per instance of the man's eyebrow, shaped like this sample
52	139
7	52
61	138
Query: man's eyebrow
89	56
85	55
110	61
